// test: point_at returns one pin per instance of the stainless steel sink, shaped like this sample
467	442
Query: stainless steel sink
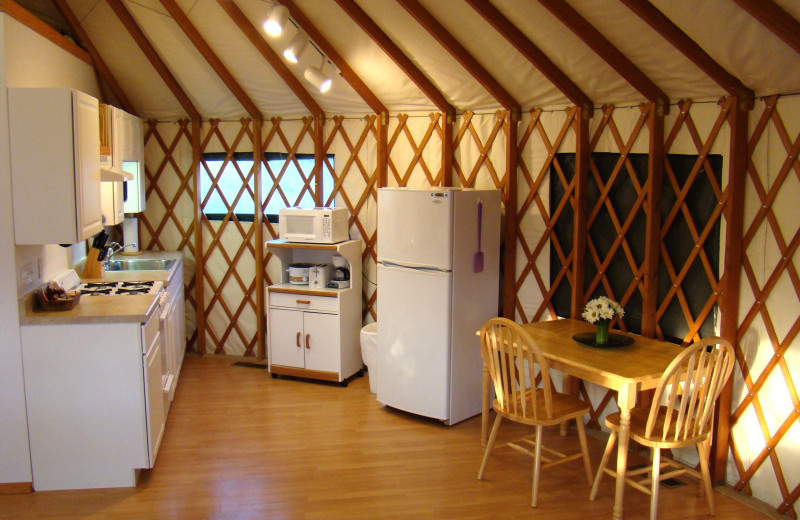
141	264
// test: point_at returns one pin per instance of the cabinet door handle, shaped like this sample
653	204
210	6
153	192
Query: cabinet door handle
305	302
298	339
308	344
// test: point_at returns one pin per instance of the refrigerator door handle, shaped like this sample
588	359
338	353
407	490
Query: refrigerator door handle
392	265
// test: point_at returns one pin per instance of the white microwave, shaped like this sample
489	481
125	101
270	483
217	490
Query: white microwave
313	226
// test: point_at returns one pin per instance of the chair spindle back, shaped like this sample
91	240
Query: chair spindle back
510	355
691	384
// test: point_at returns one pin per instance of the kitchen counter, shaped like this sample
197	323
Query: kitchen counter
107	309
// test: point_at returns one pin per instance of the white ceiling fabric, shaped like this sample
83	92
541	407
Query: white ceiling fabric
738	42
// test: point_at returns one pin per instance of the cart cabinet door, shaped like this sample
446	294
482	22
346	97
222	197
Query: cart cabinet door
321	341
286	341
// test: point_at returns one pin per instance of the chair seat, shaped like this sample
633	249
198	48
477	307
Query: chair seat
639	426
564	407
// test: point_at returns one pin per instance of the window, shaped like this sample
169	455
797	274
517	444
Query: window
223	189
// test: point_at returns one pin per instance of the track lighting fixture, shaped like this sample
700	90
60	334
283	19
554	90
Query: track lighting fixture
277	20
296	47
316	77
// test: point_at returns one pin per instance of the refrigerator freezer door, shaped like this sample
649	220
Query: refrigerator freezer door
413	368
415	227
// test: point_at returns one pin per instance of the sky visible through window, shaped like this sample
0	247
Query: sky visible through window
230	183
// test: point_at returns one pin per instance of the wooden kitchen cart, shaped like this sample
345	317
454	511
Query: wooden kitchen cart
314	332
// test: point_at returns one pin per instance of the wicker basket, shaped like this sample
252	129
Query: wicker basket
61	304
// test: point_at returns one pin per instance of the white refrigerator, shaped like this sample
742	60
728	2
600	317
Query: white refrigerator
433	296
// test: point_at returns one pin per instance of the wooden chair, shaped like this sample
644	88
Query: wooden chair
689	388
510	355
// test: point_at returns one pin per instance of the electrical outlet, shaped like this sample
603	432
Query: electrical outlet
28	274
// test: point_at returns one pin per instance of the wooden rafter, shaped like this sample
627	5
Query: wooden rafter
443	36
607	51
681	41
270	55
414	74
398	56
211	57
155	60
28	19
352	79
533	54
325	46
100	65
774	18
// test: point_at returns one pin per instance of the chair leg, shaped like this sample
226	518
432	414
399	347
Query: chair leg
656	472
603	463
489	446
537	462
703	453
587	462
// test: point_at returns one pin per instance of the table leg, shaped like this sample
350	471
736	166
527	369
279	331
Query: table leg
570	386
626	400
485	396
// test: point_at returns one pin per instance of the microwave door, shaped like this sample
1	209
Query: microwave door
300	227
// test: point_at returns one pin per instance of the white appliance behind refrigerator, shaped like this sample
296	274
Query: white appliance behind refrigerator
430	300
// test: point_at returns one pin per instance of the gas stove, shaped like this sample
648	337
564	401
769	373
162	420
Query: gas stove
120	288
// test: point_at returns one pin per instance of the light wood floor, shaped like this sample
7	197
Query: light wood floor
241	445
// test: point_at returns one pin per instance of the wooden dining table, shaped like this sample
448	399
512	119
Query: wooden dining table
627	369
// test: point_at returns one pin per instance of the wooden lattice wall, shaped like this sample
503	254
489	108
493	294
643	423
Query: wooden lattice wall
479	160
765	434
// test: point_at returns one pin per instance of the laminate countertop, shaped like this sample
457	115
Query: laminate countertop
107	309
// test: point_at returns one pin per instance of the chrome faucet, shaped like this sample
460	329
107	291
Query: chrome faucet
112	248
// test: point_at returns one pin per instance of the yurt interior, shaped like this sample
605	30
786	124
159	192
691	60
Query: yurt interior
277	212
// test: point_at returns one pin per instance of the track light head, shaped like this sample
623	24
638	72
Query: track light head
296	47
277	20
315	76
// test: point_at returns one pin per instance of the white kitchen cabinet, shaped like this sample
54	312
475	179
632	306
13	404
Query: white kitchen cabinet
174	333
94	401
314	333
55	143
304	340
133	163
127	154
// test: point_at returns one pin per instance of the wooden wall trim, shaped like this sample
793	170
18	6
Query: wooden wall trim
655	179
258	219
15	488
28	19
510	223
583	155
729	303
199	262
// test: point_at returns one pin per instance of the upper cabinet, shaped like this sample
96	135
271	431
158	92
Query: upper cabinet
133	162
122	149
55	165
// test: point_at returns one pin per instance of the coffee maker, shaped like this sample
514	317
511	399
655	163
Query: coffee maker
341	273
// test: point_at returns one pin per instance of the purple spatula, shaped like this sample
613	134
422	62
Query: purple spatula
477	265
